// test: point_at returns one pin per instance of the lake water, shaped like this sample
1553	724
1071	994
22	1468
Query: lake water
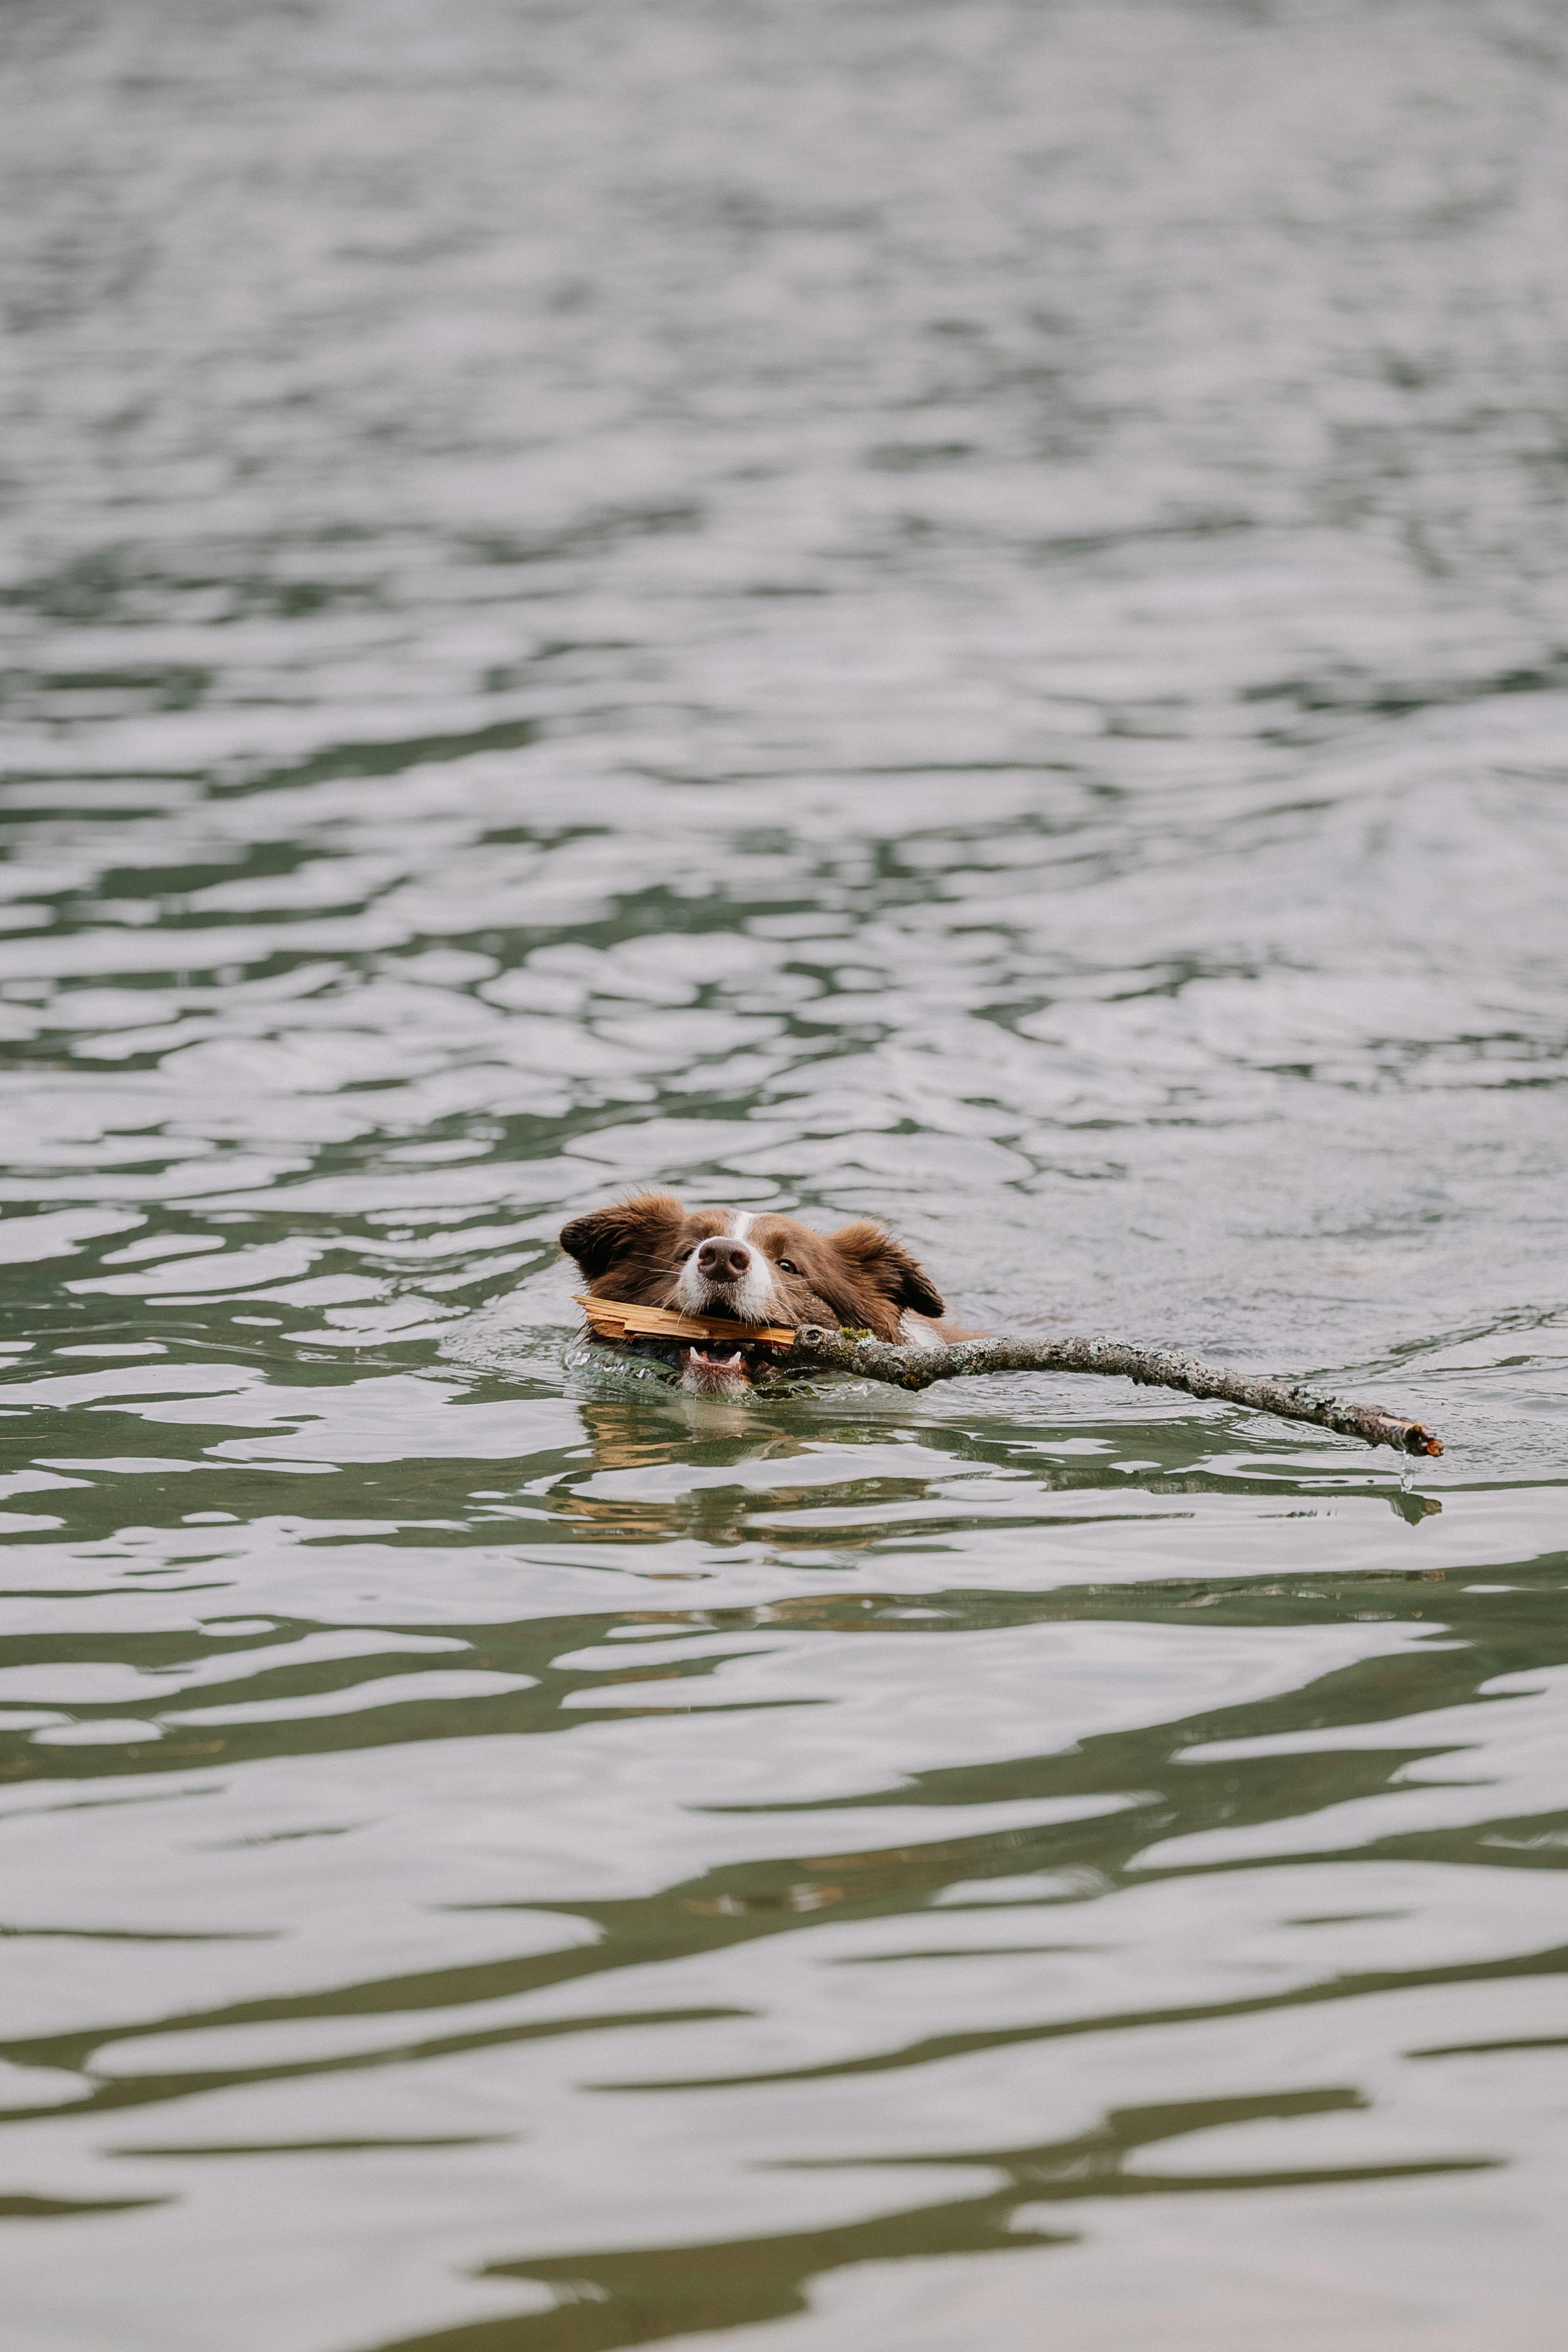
948	612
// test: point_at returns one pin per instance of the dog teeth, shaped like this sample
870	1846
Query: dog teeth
716	1375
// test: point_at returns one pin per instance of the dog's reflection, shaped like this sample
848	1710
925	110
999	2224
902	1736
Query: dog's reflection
630	1433
672	1428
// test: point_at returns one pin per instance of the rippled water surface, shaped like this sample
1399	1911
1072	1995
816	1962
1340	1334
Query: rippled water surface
955	611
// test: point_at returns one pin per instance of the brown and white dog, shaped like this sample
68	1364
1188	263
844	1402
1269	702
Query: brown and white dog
651	1252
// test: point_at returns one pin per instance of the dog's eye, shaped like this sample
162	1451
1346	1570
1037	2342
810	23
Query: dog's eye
786	1267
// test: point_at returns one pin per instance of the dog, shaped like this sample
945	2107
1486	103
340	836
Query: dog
750	1269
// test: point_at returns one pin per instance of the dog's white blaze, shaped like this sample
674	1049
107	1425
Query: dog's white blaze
756	1291
748	1300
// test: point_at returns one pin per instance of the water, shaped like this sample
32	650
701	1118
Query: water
955	613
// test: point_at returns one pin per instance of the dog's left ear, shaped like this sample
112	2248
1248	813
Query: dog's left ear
875	1258
598	1240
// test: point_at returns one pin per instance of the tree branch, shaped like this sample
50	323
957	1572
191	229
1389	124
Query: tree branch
916	1367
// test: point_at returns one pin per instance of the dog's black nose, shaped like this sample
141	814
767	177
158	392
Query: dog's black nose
723	1261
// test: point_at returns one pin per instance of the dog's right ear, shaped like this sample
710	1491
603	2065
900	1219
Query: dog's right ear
598	1240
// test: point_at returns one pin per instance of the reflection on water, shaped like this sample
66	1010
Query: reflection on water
954	612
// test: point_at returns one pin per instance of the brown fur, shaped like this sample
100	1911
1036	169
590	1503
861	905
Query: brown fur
859	1276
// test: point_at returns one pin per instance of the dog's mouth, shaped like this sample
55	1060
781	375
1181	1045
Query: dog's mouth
708	1374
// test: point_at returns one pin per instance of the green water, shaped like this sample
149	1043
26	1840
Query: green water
948	613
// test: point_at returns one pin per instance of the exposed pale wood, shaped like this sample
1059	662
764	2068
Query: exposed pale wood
918	1367
615	1316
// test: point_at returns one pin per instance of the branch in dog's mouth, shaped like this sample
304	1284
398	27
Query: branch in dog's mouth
779	1354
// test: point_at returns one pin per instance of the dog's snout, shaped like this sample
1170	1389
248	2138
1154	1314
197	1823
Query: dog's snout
723	1261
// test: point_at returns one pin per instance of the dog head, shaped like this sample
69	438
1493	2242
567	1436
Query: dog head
651	1252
